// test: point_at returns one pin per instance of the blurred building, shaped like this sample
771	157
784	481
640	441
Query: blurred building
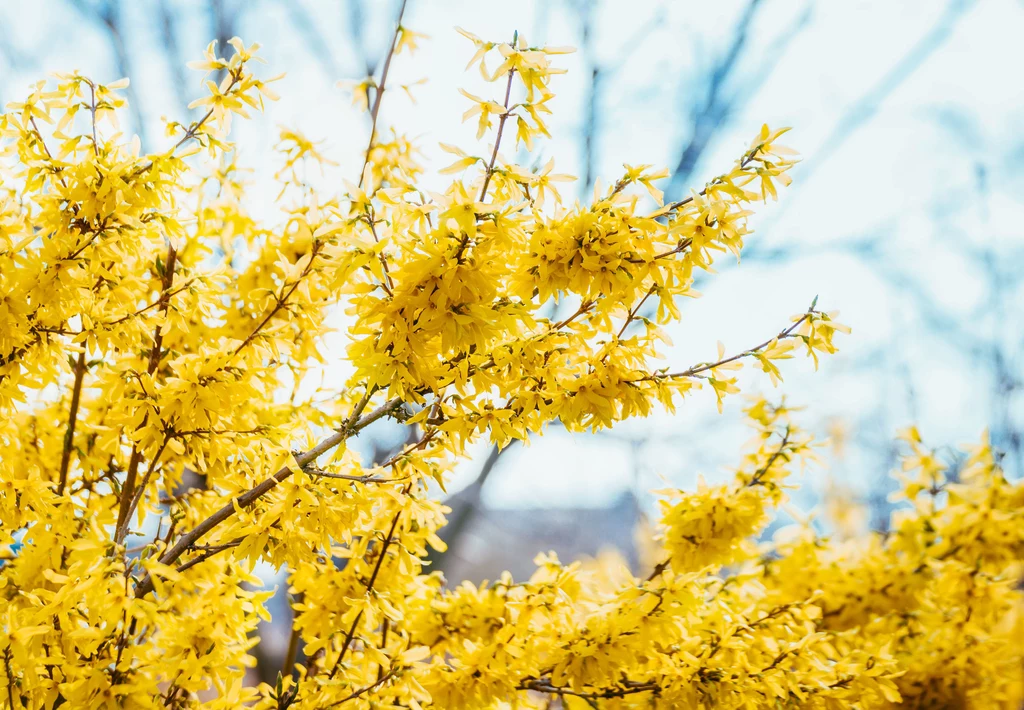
497	539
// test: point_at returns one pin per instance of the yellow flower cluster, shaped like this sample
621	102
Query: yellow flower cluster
166	425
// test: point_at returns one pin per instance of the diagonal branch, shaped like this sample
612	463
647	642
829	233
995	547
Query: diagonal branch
704	367
465	507
187	541
369	589
497	140
362	691
756	479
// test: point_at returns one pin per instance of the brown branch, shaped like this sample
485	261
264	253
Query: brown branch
423	441
182	433
141	489
373	686
193	130
634	311
583	309
207	554
380	91
544	686
58	171
164	296
368	478
281	300
385	625
388	284
128	489
747	160
188	540
658	569
756	479
497	140
697	369
369	588
9	674
167	282
427	437
672	252
69	435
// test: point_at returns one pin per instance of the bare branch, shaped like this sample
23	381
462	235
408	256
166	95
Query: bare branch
697	369
69	435
497	140
375	111
362	691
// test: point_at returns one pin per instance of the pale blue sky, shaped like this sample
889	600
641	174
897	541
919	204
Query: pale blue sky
929	172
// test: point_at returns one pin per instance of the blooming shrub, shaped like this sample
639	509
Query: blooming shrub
165	425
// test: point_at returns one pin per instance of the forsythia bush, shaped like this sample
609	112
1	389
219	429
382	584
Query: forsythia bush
168	420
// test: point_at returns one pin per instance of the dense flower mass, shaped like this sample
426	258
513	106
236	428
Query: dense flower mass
165	425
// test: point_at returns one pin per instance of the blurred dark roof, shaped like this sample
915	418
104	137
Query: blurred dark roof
496	540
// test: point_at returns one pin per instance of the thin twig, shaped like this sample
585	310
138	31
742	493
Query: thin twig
193	130
369	588
380	92
697	369
282	300
208	552
141	490
497	140
583	309
634	311
756	479
373	686
388	283
164	295
367	478
747	160
9	674
544	686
